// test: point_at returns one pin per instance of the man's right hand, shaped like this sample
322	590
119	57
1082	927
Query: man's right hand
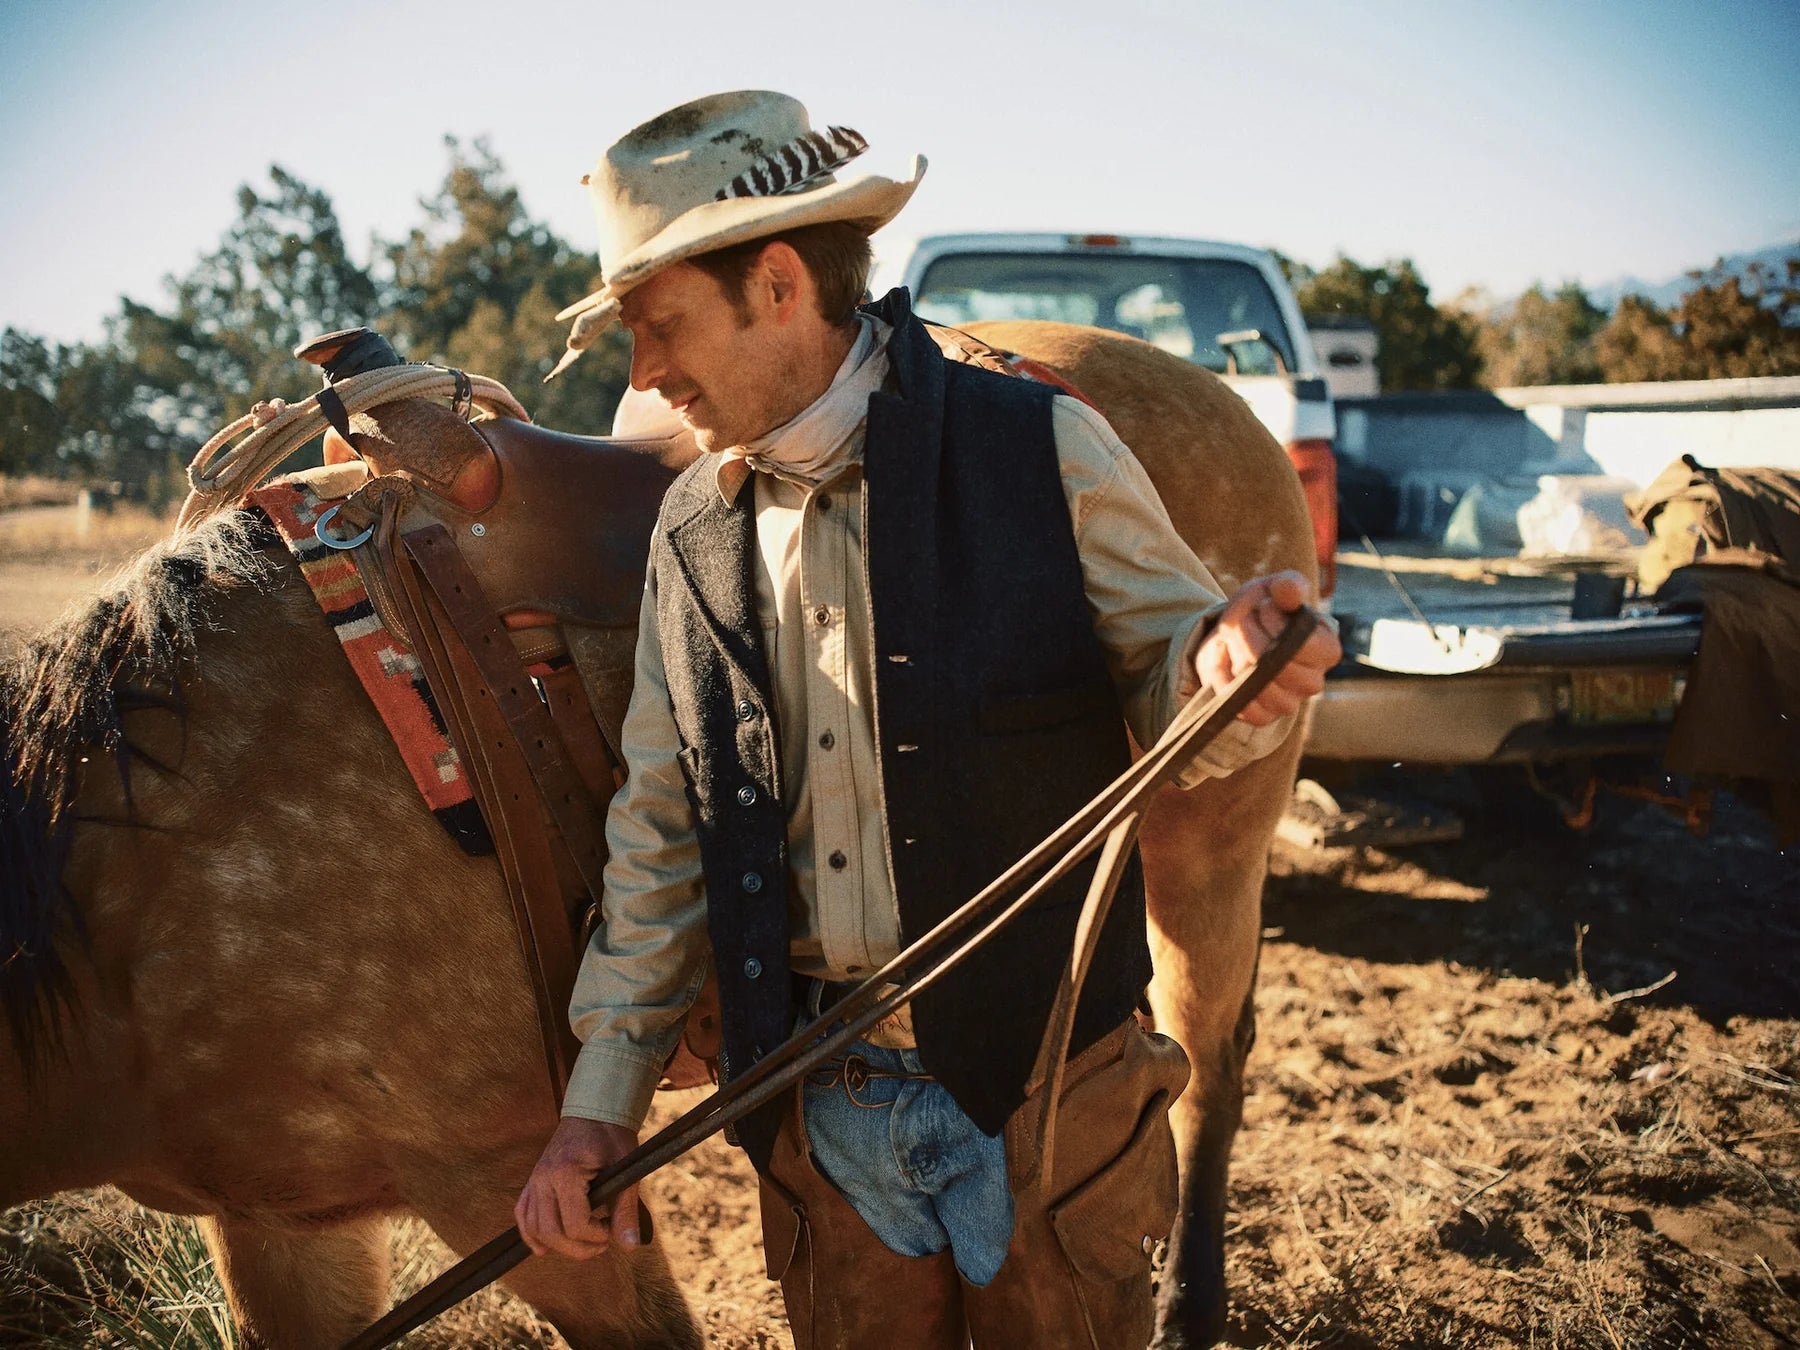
553	1213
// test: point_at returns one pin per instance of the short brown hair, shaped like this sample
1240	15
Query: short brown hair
836	254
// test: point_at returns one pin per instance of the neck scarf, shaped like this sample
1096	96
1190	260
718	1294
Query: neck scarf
817	441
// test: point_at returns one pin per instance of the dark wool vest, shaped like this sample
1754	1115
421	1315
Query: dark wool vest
995	720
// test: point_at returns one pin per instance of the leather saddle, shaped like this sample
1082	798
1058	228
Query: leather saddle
511	560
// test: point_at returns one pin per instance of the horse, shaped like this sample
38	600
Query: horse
251	980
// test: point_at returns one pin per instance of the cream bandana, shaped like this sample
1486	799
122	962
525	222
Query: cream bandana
816	442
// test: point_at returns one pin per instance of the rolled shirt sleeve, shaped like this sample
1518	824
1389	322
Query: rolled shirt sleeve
1152	600
649	956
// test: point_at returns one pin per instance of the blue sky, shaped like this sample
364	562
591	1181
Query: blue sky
1494	144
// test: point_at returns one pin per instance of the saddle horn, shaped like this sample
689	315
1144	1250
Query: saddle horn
347	352
340	355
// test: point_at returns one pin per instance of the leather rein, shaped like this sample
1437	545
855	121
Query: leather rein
1109	823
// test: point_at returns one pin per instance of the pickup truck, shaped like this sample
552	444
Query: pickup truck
1450	659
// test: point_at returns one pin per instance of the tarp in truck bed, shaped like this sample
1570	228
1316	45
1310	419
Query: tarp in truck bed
1740	718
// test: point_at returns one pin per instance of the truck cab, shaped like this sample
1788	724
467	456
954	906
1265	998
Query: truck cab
1223	306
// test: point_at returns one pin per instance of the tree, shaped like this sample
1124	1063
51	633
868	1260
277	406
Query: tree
1726	327
1637	343
1542	339
478	286
31	428
1420	345
281	274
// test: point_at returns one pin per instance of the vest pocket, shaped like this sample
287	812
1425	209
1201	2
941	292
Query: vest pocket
698	784
1006	714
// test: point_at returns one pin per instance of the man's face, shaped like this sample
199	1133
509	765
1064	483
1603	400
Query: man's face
725	370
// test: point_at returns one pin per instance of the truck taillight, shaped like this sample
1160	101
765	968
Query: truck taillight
1317	468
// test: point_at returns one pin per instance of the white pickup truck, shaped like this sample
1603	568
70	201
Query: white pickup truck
1449	660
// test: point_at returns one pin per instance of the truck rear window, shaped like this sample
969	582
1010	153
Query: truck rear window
1180	304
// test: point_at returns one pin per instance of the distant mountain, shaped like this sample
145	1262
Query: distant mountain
1666	293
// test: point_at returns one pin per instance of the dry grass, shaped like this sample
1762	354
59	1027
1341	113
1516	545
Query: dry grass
50	560
97	1270
100	536
1457	1135
18	490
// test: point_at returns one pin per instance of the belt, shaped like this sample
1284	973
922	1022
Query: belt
854	1073
894	1032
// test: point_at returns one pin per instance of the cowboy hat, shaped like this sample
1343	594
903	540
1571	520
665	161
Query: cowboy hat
715	172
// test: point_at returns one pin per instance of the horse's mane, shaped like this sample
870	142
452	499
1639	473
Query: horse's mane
62	702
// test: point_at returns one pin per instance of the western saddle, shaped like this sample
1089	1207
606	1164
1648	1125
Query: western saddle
510	559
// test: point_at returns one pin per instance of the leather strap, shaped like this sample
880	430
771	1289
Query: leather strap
485	638
496	757
332	405
811	1046
566	698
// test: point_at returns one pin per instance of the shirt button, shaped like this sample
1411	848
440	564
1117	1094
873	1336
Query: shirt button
752	968
826	740
821	616
746	795
838	861
745	710
752	882
824	501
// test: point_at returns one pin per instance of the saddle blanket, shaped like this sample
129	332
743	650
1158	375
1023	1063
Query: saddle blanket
384	664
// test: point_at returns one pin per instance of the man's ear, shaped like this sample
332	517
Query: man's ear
786	278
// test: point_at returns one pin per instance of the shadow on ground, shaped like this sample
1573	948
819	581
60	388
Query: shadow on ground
1722	912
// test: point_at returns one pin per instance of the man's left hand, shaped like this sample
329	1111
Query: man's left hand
1246	628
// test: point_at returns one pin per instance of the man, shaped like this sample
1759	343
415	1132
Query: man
896	623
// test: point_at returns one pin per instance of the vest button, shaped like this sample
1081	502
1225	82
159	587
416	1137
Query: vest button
745	710
838	861
746	795
752	882
752	968
826	740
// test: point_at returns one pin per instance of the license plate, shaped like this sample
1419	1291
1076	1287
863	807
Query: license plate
1605	697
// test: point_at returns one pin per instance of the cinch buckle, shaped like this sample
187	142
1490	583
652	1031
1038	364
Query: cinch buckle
343	545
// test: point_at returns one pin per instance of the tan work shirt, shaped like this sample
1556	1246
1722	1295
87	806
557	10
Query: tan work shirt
1149	596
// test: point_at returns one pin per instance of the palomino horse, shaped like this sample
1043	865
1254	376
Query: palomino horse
251	979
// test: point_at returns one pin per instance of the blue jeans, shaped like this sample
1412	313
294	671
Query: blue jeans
909	1161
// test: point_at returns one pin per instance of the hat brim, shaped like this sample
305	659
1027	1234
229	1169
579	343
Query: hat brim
869	201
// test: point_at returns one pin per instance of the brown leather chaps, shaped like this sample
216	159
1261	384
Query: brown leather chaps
1077	1272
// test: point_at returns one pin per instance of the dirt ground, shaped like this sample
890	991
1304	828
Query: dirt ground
1465	1125
1530	1088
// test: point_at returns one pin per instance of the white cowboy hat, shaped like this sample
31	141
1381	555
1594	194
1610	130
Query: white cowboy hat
715	172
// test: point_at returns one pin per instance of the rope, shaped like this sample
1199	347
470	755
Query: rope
227	467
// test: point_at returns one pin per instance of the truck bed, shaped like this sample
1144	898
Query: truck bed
1491	612
1502	671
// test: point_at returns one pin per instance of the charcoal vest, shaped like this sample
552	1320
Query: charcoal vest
995	720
